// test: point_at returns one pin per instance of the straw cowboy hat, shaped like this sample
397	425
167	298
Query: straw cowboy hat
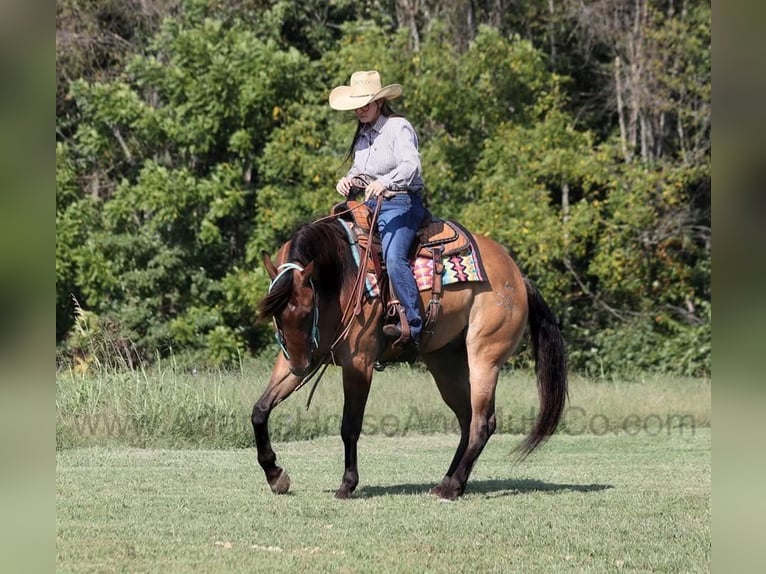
364	87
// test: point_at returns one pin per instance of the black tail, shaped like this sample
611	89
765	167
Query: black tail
550	367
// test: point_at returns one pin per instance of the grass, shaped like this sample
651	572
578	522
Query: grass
583	503
624	485
169	408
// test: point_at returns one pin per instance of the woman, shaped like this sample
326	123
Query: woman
385	149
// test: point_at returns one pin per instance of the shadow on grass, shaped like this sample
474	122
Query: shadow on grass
488	488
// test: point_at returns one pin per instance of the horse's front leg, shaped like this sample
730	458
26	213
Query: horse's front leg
356	388
281	385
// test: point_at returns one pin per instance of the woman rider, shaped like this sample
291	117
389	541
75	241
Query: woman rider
385	149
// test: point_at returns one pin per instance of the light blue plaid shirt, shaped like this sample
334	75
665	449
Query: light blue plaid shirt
387	151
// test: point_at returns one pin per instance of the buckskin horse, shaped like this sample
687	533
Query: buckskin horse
315	284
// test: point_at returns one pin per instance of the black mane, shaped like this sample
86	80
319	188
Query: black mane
326	244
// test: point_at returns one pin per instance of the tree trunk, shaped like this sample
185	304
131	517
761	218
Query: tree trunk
406	14
551	34
621	109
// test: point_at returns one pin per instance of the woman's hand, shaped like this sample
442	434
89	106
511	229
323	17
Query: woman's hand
343	186
373	190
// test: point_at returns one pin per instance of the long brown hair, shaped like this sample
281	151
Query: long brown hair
385	110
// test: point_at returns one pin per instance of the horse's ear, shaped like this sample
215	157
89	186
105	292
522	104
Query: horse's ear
270	267
307	273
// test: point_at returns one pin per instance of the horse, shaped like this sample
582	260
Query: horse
480	325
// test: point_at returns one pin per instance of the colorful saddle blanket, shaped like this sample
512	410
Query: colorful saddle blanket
457	267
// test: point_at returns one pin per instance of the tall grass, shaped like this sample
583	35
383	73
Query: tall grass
167	406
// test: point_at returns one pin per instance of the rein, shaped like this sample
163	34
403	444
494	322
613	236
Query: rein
356	293
352	309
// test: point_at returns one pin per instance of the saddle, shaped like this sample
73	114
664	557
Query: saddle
435	239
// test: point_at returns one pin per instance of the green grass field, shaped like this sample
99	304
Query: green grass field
580	504
156	472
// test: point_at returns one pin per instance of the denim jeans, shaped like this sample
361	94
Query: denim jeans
398	222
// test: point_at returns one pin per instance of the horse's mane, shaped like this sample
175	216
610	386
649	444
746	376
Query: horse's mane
324	243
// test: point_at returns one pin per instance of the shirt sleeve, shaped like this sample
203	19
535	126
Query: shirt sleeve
353	171
407	158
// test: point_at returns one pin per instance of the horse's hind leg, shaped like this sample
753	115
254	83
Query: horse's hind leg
483	379
449	367
356	388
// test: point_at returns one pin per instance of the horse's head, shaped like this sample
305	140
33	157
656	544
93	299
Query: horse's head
293	304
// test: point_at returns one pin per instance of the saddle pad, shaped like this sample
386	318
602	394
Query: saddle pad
461	267
458	268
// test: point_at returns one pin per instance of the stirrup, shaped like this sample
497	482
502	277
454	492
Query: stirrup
392	330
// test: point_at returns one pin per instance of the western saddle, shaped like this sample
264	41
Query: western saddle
436	239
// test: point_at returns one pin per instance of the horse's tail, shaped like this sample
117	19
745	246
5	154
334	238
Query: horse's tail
550	368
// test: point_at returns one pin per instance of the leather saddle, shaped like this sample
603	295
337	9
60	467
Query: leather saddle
434	234
441	234
435	239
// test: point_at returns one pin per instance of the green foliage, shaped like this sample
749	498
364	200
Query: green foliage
97	344
460	100
658	344
651	236
298	172
519	186
212	141
625	239
172	148
74	217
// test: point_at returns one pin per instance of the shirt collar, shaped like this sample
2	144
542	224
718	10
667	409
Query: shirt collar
378	125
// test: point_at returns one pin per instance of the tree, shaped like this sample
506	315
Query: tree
166	158
209	139
94	40
658	57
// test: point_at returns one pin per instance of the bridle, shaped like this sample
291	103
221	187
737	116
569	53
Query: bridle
279	335
353	307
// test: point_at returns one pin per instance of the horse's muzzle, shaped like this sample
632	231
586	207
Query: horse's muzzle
300	371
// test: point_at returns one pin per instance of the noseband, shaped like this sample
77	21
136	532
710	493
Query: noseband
279	335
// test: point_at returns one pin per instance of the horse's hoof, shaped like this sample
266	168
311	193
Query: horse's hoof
281	484
343	494
445	492
449	496
345	490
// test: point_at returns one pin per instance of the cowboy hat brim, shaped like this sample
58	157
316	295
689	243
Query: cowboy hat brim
341	97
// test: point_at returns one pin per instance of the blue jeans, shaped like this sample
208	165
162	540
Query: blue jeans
398	222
